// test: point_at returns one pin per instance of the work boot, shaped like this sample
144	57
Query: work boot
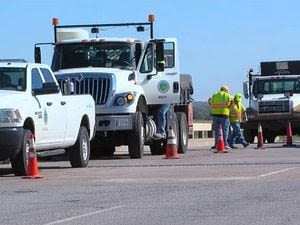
246	144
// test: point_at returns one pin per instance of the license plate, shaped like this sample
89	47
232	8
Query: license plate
122	122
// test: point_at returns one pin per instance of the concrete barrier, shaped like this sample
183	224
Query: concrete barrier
202	130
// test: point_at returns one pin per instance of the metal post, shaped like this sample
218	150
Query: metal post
151	30
55	33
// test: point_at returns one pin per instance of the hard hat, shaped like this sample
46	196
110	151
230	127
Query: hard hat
238	97
225	88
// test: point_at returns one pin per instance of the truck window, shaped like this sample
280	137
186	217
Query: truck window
37	82
169	54
91	54
279	86
147	64
47	75
12	79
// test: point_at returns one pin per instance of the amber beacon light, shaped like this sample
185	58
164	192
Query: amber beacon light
54	21
151	18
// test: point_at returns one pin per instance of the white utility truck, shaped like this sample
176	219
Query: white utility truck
32	103
274	100
129	79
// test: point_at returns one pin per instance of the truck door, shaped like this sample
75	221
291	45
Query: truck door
160	87
53	111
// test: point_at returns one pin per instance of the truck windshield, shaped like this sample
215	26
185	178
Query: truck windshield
91	54
277	86
12	79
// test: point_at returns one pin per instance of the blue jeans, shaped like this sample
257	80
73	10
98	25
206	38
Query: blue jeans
236	134
162	118
224	121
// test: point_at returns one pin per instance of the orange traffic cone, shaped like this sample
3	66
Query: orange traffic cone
260	138
171	148
289	136
220	143
32	170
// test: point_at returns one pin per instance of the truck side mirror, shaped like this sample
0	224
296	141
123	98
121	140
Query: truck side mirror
37	55
138	52
68	87
160	56
245	90
47	88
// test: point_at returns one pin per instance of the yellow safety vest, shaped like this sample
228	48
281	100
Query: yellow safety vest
235	114
220	103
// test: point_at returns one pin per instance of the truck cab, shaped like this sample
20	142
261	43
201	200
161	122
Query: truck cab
128	78
32	104
274	99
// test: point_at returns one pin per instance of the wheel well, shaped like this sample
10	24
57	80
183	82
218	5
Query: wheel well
86	123
29	124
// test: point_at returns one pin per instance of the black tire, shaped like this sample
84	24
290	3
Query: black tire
99	151
183	132
158	147
136	137
249	136
79	154
19	163
270	138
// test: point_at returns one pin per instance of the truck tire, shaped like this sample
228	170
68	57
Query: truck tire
19	163
183	133
157	147
270	138
98	150
249	136
79	154
136	137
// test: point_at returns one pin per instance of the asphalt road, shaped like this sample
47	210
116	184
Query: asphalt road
244	186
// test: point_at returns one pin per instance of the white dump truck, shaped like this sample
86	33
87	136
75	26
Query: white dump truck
32	103
129	79
274	100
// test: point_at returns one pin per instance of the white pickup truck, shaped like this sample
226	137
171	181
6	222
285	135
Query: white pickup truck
32	103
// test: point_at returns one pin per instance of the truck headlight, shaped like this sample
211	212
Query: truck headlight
124	98
10	116
120	101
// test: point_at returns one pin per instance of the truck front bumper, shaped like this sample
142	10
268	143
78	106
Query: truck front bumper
10	141
113	122
278	127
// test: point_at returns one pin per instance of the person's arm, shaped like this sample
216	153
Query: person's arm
244	114
230	100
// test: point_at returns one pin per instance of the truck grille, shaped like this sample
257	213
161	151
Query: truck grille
274	107
99	87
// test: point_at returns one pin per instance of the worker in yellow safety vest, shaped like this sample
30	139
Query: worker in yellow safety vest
220	103
237	113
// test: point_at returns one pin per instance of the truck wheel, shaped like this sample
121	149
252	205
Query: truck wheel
249	136
79	154
270	138
19	163
157	147
136	137
107	151
183	134
100	151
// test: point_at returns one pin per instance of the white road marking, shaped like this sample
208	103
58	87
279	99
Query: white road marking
83	215
195	179
275	172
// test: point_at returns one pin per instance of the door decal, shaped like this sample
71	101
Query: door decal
163	86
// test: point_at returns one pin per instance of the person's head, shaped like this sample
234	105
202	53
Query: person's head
238	97
225	89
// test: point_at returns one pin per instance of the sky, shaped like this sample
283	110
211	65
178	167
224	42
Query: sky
219	40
